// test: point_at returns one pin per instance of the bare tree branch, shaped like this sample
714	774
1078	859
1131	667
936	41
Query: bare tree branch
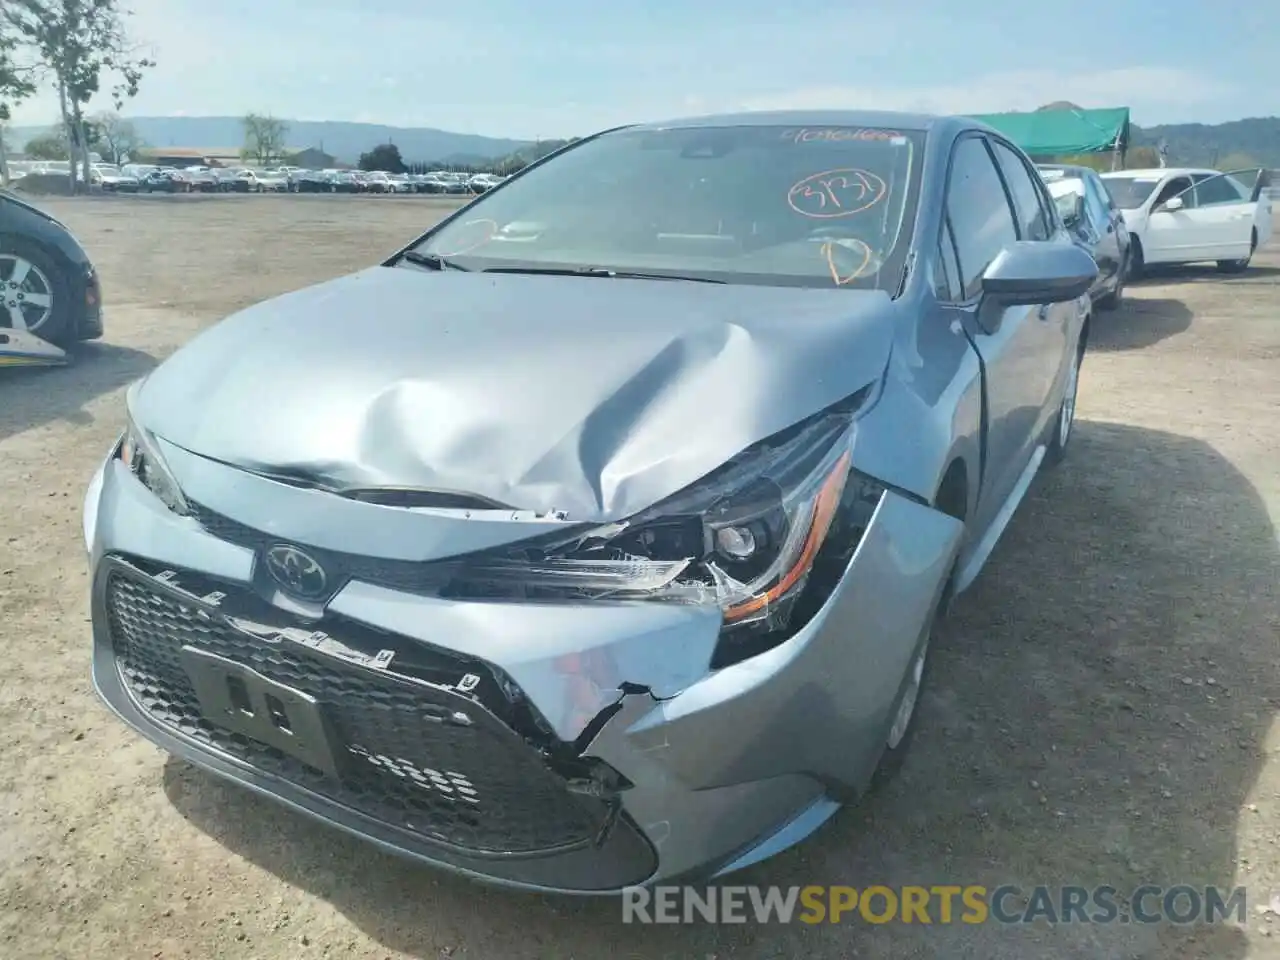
117	137
264	138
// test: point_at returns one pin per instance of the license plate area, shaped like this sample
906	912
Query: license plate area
241	700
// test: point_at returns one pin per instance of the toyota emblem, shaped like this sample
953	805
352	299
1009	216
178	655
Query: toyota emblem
296	571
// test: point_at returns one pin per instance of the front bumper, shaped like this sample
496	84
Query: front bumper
600	749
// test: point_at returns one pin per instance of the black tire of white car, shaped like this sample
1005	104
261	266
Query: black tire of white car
57	326
1240	266
1136	262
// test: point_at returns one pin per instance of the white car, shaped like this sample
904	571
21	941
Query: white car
1185	215
265	181
112	179
484	181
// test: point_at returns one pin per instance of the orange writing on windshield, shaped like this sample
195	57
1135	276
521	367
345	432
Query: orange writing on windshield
836	193
840	277
838	134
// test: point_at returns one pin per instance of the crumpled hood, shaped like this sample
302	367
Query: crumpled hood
593	396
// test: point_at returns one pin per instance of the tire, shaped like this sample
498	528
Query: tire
1064	423
1240	266
1136	262
44	277
1112	300
906	706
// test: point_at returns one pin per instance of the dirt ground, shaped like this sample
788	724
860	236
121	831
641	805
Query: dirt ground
1102	707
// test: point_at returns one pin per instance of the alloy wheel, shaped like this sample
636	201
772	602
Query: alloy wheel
910	696
1067	415
26	292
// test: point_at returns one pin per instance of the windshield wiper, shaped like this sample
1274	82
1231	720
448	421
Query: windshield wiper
432	261
598	272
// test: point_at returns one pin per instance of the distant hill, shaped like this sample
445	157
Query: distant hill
1254	140
1240	142
345	141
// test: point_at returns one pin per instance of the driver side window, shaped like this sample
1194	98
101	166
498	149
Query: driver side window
1219	189
982	221
1178	186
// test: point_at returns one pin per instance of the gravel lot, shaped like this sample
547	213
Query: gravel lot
1101	708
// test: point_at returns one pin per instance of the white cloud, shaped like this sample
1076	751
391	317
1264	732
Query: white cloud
1162	91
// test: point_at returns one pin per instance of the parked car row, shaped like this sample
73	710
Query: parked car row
147	178
151	178
1128	219
376	181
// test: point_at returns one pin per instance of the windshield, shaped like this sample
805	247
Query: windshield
1130	193
812	207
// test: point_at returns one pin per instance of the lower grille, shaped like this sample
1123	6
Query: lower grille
475	787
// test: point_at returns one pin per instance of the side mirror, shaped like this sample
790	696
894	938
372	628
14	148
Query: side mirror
1075	216
1070	209
1034	272
1170	205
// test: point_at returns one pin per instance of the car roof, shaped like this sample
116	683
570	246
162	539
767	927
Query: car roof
1074	169
1160	172
806	118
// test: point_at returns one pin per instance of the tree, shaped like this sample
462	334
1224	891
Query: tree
48	146
1141	158
1237	160
15	86
385	156
77	42
264	137
115	135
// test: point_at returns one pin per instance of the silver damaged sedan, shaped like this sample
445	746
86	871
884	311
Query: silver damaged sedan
595	538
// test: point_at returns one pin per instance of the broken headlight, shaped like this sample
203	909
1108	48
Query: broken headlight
139	452
744	538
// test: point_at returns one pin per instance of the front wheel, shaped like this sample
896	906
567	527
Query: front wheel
35	294
906	708
1064	427
1240	266
1137	264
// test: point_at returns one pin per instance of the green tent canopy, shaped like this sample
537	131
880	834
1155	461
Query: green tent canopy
1054	133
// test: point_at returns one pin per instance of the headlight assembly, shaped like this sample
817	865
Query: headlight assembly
744	538
138	451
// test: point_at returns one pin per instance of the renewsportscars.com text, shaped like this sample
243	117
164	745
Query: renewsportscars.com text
937	904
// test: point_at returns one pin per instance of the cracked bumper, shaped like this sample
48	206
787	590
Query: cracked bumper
726	767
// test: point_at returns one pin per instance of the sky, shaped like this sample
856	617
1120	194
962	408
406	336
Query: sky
558	68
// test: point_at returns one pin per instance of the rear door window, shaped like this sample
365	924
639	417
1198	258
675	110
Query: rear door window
1033	218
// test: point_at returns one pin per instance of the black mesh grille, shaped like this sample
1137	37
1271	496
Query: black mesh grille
478	788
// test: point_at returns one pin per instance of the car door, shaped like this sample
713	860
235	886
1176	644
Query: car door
1261	193
1171	236
1115	217
1223	215
1023	353
1255	183
1106	247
